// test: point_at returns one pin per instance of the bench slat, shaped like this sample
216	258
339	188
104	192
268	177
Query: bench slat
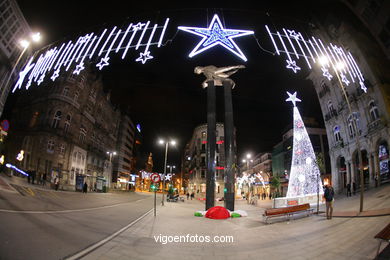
280	211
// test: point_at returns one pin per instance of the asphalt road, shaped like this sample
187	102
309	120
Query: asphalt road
58	224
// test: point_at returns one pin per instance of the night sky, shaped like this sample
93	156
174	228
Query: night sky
165	96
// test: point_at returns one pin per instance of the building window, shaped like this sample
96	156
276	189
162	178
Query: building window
62	149
336	133
65	92
50	146
203	134
330	107
67	123
203	173
374	113
56	119
83	134
76	96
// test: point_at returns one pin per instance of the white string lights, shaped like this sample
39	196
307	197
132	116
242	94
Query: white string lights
333	59
139	36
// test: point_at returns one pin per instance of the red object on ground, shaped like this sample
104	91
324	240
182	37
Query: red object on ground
217	212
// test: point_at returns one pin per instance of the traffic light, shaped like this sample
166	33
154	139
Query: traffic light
224	190
153	187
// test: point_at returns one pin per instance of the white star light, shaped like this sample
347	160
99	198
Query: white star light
344	79
214	35
138	26
55	75
293	34
293	98
326	73
41	78
79	68
23	74
143	57
103	62
291	64
168	177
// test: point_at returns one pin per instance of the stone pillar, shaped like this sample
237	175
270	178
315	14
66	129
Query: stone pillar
229	146
211	143
353	172
348	169
376	169
371	175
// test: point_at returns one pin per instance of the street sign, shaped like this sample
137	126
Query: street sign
155	177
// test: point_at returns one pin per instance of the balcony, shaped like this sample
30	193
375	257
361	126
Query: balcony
65	99
325	89
376	125
331	114
88	115
338	144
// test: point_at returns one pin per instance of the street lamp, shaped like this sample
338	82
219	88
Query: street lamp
337	68
162	142
36	37
110	154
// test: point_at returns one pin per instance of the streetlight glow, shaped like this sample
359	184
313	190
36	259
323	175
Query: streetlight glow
161	141
248	155
173	142
340	65
36	37
323	60
24	43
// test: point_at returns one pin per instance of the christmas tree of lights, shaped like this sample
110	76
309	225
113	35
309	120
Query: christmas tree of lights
304	174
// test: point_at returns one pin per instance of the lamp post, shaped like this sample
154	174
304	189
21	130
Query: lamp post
247	161
36	37
170	171
337	68
110	154
161	142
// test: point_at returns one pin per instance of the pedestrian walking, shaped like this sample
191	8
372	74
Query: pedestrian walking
85	187
329	197
349	190
28	176
354	188
188	195
192	195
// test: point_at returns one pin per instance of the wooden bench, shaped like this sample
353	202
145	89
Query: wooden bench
383	235
287	211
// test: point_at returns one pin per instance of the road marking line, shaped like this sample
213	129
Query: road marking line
91	248
64	211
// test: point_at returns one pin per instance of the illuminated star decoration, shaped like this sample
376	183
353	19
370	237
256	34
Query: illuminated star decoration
293	98
326	73
291	64
362	86
40	80
214	35
79	68
103	62
143	57
55	75
293	34
23	74
168	177
344	79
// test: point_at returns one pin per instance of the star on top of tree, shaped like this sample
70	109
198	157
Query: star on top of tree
293	98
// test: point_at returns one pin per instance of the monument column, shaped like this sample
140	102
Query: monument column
211	143
229	146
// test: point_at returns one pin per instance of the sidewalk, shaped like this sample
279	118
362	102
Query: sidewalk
302	238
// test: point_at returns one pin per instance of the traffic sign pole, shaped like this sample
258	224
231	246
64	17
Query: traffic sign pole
155	178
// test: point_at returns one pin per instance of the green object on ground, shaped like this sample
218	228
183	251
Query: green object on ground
235	215
198	214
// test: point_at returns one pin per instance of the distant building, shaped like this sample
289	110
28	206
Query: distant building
195	161
123	171
65	129
259	165
13	28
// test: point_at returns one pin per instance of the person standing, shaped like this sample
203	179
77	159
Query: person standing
188	195
85	187
329	197
354	188
349	190
57	182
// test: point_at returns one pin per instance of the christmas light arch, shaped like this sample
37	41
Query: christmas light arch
143	36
